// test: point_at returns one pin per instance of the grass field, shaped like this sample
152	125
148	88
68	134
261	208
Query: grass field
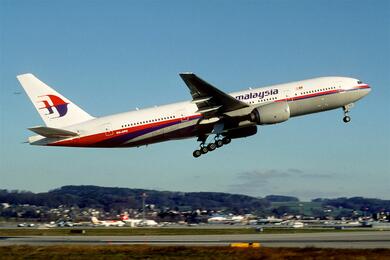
159	231
161	252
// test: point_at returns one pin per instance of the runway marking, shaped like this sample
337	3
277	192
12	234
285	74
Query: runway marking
337	240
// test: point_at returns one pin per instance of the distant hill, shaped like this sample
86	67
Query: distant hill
120	198
357	203
280	198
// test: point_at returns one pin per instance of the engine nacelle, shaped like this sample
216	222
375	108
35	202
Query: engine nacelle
270	114
242	132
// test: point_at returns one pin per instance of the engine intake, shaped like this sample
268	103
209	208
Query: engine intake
270	114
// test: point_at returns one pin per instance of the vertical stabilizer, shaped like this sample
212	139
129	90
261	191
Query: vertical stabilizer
55	110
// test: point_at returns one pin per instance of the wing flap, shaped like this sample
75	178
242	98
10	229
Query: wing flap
207	109
52	132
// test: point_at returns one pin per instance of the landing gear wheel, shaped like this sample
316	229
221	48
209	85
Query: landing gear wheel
226	140
211	146
204	150
219	143
346	119
197	153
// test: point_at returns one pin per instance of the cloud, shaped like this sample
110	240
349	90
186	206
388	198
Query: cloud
265	181
251	182
293	170
319	175
262	175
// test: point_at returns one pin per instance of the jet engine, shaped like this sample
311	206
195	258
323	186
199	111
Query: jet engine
270	114
242	132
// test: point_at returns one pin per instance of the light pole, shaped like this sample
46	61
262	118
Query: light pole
143	208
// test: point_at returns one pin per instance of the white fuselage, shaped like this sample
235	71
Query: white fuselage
181	120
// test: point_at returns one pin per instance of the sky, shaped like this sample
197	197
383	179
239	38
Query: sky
114	56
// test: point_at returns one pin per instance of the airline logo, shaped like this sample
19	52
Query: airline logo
260	95
52	102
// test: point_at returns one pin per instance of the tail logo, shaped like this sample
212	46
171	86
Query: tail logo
52	101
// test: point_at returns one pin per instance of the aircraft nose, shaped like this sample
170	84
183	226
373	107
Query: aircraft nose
365	89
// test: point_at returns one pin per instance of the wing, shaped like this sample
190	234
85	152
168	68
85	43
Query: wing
210	100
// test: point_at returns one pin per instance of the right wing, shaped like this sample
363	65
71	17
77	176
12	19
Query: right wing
210	101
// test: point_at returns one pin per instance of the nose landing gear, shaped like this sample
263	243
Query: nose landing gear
211	146
346	110
346	119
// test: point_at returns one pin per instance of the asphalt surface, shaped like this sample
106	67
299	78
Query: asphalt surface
374	239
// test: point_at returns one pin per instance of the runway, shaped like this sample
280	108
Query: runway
374	239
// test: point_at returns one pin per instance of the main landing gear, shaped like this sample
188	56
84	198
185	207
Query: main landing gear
346	109
219	142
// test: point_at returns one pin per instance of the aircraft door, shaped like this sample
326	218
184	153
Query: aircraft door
288	95
178	131
182	114
108	129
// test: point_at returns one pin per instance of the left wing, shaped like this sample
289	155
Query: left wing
210	100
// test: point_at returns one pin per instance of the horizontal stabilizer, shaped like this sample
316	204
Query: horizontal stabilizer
52	132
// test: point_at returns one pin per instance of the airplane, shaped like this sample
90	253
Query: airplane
107	223
217	219
211	112
270	220
226	219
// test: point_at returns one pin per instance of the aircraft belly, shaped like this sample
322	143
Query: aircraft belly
177	131
182	130
315	104
348	97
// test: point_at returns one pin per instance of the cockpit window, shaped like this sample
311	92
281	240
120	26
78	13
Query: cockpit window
359	82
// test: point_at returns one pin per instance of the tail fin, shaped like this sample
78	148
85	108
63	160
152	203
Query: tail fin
55	110
94	220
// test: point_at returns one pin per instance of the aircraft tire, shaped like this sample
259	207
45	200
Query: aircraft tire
219	143
226	140
197	153
347	119
211	146
204	150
